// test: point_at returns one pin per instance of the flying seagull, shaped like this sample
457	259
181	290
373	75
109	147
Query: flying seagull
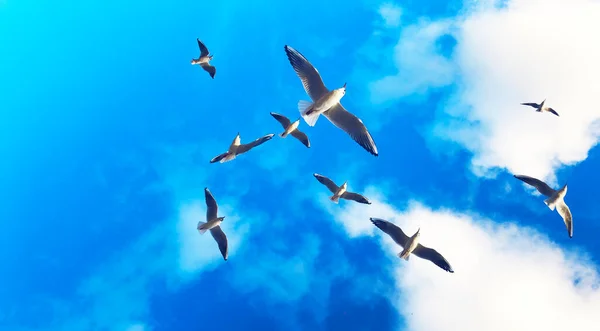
204	59
291	128
340	191
555	199
236	148
411	245
327	102
540	107
213	223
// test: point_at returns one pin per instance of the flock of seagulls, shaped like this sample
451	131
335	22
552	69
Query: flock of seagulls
327	103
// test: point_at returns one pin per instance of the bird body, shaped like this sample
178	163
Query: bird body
236	148
293	126
290	128
213	224
310	111
339	192
410	245
540	107
204	59
327	102
203	226
555	199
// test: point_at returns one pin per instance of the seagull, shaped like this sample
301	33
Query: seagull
291	128
327	102
213	223
555	199
340	192
236	148
540	107
204	59
411	245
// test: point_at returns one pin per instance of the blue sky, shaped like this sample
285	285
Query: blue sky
106	131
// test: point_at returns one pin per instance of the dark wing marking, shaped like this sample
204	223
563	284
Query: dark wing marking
211	205
532	104
356	197
210	69
219	157
284	121
246	147
433	256
391	229
301	136
542	187
310	77
553	111
203	49
353	126
221	240
327	182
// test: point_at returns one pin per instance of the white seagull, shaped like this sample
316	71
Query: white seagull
327	102
291	129
204	59
555	199
236	148
540	107
213	223
340	191
411	245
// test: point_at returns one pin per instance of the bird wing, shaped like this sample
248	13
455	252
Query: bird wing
433	256
565	213
221	240
327	182
553	111
310	77
284	121
219	157
532	104
243	148
391	229
542	187
211	205
301	136
356	197
203	49
210	69
353	126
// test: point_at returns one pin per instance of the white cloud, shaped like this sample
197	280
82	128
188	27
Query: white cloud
507	277
525	51
419	66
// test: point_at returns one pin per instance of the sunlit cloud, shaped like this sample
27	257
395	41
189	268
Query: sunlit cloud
506	53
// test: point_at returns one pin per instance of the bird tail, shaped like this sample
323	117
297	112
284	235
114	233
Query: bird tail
403	255
283	134
201	228
335	198
307	113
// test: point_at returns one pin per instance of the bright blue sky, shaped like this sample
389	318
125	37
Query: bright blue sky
106	131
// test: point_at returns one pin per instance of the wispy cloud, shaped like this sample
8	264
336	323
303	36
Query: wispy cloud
506	276
391	14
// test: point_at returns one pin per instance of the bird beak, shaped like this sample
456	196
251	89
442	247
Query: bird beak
344	85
